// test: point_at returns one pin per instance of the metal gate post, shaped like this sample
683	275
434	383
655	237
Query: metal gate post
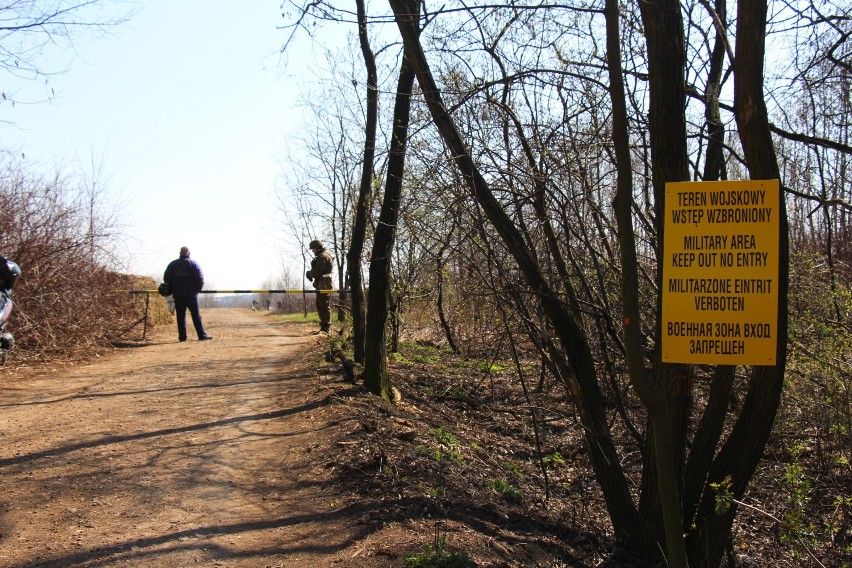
145	325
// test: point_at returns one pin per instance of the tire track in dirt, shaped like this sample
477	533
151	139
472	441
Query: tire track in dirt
175	454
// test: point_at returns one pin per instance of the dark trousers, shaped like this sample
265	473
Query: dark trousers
181	305
324	310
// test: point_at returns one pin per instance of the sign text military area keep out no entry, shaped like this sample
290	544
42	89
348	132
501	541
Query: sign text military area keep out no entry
720	272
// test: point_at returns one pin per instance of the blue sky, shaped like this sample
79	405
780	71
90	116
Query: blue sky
188	107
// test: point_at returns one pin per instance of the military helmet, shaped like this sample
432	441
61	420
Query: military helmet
316	244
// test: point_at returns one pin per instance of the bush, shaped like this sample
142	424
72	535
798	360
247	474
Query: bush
814	431
819	369
67	300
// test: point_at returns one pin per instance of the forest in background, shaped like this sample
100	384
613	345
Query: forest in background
514	200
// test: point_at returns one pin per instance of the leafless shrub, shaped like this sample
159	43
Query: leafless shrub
66	301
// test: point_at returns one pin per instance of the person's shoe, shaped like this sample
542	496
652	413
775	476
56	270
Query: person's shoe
181	340
205	338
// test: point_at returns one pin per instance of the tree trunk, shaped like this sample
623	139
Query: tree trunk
740	455
442	317
395	316
661	477
376	378
714	164
571	336
359	227
710	428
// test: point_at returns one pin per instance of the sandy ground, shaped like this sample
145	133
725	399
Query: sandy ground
176	454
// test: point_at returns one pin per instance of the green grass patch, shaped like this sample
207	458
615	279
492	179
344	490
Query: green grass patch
451	455
457	393
506	489
489	367
554	460
446	438
438	557
424	359
300	317
423	354
515	468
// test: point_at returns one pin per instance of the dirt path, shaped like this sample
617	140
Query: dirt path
175	454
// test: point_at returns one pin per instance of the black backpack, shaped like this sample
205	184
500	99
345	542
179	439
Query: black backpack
164	290
9	272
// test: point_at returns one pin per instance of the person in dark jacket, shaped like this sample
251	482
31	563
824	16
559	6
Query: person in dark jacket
320	275
185	278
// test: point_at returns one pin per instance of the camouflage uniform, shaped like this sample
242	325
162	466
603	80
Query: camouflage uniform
320	273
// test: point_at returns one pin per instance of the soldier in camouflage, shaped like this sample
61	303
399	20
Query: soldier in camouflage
320	275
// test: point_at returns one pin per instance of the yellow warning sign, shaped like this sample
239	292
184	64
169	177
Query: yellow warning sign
720	272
